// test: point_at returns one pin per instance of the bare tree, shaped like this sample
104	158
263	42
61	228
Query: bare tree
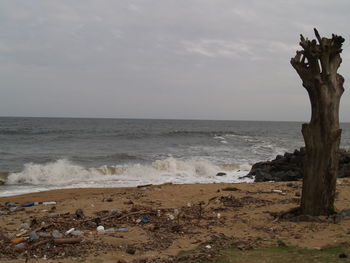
317	66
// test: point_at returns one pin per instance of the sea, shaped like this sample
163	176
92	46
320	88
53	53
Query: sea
38	154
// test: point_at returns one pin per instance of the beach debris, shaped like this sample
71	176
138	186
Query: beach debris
18	240
61	241
277	191
122	229
44	234
145	220
113	229
2	213
53	215
16	208
25	226
33	236
221	174
69	231
49	203
100	230
23	232
130	250
230	189
170	216
79	213
20	246
30	204
9	204
77	233
56	234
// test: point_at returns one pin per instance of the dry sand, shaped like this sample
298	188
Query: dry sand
245	219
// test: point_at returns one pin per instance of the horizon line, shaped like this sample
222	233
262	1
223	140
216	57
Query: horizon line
138	118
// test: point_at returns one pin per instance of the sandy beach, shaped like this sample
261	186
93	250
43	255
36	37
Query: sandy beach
165	220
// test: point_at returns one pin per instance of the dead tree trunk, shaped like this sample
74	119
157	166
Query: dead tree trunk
317	66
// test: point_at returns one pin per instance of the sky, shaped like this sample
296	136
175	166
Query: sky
168	59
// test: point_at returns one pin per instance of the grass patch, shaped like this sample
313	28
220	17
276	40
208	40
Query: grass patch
286	255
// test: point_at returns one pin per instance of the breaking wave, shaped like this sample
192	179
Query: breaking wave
65	173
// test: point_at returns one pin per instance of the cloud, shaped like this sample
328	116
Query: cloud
276	46
252	49
219	48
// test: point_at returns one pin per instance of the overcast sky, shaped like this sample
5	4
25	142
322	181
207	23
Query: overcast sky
184	59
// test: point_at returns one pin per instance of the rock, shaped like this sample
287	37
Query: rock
57	234
289	167
345	212
220	174
130	251
79	213
343	255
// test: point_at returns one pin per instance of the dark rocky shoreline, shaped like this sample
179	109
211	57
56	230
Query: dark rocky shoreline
289	167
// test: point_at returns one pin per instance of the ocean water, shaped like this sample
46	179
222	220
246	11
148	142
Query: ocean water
38	154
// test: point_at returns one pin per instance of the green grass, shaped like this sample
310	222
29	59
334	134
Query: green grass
285	255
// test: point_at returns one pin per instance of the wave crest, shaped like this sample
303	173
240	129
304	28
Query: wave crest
64	173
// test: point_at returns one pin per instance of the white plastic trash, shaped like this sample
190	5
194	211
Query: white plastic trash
49	203
100	230
70	231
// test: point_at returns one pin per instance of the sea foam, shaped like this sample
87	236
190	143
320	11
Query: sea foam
63	173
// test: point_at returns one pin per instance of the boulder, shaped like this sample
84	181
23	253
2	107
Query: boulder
289	167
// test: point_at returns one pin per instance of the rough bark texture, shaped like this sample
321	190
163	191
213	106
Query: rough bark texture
317	66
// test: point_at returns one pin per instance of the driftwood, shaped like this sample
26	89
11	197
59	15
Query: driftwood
317	66
119	216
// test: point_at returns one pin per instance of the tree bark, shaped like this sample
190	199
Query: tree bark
317	66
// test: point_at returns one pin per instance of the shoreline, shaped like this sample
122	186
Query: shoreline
239	212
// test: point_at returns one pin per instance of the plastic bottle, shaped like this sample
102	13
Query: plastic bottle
110	230
30	204
114	229
18	240
9	204
122	229
49	203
